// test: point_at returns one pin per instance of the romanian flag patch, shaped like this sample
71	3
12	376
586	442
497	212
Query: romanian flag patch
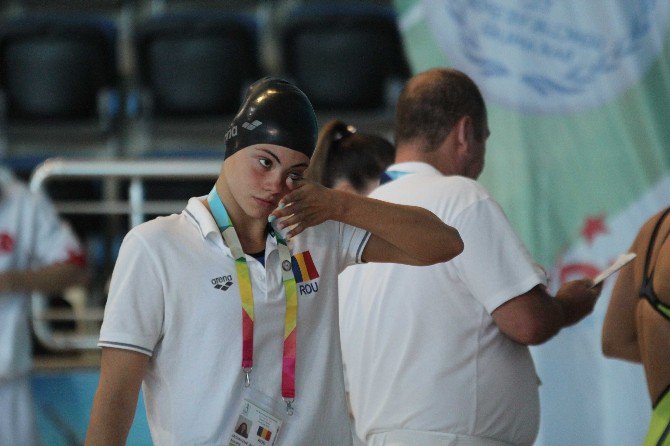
303	267
265	434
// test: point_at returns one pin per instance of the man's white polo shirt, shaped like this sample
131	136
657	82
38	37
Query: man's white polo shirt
423	354
171	297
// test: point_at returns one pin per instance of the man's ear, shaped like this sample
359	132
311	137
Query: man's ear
464	129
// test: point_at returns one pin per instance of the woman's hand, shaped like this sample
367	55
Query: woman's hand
308	204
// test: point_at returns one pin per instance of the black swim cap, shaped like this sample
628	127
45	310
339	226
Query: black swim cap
274	112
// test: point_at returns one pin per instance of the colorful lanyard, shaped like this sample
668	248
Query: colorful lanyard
247	298
391	175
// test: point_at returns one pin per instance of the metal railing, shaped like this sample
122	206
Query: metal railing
114	175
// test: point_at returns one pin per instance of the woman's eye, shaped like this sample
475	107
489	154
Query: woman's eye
265	162
295	176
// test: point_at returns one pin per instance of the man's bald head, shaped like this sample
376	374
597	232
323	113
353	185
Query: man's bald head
431	104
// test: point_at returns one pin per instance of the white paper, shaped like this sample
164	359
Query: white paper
619	263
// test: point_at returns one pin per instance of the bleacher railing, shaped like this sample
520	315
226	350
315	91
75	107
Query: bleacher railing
113	173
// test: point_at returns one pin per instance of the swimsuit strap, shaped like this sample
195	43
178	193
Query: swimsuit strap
647	288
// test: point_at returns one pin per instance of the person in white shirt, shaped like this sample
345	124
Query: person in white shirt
438	355
224	319
38	252
352	161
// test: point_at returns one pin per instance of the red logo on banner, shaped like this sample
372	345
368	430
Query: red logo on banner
593	227
572	271
6	242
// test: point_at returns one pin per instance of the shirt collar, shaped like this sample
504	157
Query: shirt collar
414	167
205	222
202	217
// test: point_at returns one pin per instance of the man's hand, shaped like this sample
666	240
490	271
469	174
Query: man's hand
6	282
577	298
535	317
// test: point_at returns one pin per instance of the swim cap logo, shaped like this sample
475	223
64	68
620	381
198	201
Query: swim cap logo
549	56
251	126
231	133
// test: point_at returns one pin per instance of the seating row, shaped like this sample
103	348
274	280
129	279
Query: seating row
69	82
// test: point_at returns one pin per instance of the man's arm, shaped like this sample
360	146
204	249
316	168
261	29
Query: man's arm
121	374
535	317
48	279
399	234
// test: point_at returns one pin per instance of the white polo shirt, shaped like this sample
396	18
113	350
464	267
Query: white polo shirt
421	350
31	236
164	302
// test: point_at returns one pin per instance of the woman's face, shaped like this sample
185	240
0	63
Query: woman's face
257	176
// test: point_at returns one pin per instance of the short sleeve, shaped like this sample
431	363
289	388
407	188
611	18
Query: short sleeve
134	312
54	239
352	243
494	264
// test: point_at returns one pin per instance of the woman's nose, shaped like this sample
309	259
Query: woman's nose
275	183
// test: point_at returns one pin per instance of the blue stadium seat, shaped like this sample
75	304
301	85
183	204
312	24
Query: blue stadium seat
56	68
196	64
230	5
192	69
58	85
72	5
343	55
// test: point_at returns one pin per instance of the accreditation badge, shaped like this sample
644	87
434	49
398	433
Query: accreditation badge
255	426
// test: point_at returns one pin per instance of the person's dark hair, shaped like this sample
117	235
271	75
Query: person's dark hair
343	153
433	102
242	429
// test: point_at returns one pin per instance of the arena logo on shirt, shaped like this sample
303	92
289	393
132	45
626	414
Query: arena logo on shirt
222	283
6	242
304	271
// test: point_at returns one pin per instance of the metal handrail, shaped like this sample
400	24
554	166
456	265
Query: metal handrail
136	207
